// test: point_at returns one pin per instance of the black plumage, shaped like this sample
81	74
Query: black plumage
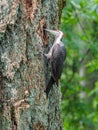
58	55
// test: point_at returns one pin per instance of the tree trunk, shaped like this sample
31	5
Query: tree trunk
23	69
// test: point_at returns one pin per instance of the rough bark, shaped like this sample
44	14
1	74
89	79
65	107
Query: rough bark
23	70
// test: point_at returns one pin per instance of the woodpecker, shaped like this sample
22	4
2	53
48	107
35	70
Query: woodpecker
56	56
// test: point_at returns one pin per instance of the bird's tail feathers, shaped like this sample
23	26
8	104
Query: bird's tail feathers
49	86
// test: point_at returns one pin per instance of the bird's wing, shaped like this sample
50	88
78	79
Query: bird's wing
57	60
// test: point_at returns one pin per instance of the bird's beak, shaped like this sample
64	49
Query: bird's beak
54	32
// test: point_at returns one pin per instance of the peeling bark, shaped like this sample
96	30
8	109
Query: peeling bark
23	70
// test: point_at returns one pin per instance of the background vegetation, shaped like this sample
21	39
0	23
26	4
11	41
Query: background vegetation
80	76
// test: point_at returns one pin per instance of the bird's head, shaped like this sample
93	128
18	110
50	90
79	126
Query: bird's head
56	33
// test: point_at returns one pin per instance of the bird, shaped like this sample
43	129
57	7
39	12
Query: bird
56	57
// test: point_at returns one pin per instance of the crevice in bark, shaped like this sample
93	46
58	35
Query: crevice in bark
27	51
41	32
13	118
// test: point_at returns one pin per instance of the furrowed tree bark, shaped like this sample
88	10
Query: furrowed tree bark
23	69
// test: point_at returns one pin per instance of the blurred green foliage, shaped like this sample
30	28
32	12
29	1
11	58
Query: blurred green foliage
80	76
